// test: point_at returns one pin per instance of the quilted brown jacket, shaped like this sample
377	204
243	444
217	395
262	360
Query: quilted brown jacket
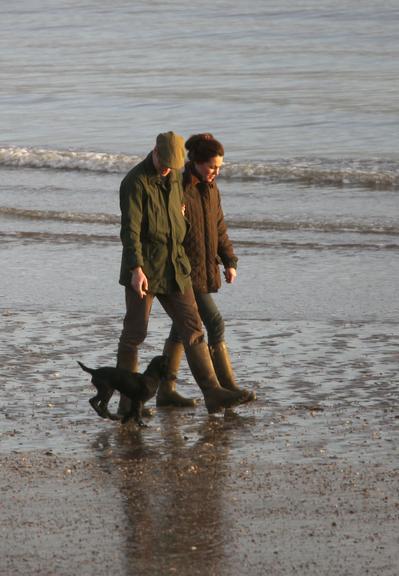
207	243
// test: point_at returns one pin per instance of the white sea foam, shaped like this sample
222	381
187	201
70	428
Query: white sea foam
369	173
66	159
373	173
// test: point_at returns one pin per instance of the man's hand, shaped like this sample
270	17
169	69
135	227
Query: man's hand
230	275
139	282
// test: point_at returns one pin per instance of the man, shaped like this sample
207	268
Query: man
154	264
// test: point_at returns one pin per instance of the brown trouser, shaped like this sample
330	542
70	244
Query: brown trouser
182	309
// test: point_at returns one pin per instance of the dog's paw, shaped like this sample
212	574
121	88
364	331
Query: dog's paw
100	411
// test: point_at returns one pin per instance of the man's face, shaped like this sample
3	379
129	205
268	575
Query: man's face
162	170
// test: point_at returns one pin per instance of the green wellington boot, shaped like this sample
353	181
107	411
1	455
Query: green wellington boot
216	398
167	394
224	371
127	359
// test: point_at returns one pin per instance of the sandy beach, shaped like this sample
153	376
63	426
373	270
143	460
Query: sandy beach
305	480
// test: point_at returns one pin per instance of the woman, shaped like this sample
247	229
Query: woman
207	245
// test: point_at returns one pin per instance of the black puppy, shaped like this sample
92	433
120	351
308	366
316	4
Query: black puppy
136	386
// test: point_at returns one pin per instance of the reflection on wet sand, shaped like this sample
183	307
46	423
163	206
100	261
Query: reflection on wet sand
308	469
174	495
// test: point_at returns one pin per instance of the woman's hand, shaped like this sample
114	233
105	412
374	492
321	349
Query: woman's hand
139	282
230	274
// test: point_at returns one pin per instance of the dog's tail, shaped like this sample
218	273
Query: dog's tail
85	368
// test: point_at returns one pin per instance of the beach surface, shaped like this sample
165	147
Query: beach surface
303	481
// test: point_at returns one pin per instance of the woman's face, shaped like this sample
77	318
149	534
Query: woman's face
209	170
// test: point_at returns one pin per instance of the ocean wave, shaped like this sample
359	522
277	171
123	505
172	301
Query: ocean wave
316	226
374	173
266	224
371	173
66	160
251	245
79	217
58	237
318	246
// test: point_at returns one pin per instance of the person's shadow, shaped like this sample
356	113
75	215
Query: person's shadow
176	485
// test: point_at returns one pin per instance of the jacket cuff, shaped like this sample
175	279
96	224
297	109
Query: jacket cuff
232	263
135	263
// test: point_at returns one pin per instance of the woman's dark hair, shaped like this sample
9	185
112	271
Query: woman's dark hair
202	147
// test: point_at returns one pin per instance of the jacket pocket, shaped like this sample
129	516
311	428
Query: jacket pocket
182	262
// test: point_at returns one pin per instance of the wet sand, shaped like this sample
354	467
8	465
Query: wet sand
304	481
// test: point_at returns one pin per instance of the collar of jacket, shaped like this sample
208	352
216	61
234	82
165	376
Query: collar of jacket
191	177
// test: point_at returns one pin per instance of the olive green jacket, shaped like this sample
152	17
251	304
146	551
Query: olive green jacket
153	229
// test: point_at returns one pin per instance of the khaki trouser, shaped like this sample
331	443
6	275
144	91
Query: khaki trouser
181	308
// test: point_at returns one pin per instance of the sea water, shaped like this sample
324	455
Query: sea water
304	96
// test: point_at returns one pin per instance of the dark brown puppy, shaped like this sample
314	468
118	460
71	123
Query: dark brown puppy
136	386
